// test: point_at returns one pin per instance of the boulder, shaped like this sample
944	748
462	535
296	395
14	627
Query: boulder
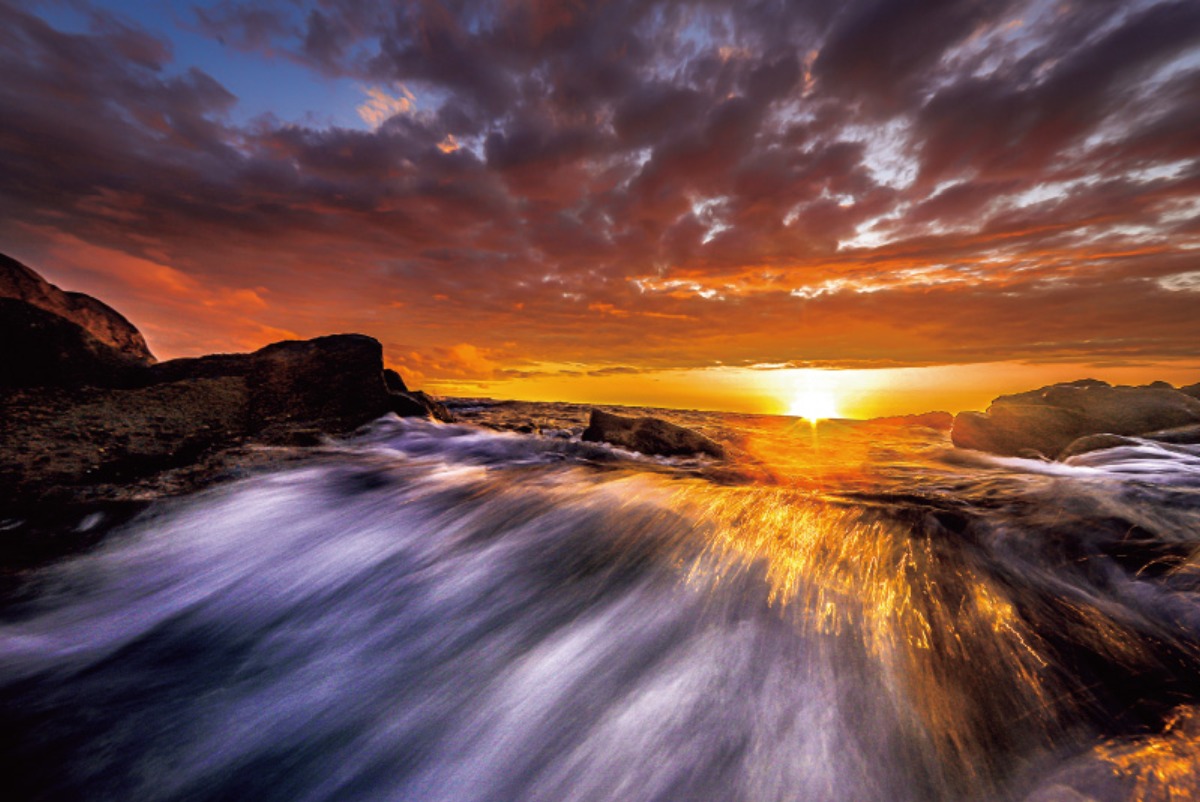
333	383
416	403
1050	419
1096	442
648	436
1010	429
42	349
1192	389
95	317
1181	435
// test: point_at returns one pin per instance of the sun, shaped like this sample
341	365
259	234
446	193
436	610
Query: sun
814	404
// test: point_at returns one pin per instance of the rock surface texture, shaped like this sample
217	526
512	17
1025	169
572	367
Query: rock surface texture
648	436
1052	419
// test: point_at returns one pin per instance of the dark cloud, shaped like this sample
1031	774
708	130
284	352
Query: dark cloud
647	184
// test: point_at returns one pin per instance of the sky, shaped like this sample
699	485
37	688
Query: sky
720	204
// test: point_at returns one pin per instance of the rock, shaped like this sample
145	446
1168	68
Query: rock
1181	435
1192	389
334	383
1011	428
1050	419
95	317
648	436
42	349
67	444
86	421
393	381
1096	442
415	403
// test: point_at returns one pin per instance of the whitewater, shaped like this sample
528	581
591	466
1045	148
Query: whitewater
458	613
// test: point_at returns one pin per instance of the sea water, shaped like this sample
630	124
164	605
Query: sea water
454	612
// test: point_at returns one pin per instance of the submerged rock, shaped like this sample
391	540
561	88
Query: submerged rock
648	436
1050	420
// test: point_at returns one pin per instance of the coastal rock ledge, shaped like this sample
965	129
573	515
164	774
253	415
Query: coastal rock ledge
86	413
1050	420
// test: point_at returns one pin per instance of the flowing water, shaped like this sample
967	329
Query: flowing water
449	612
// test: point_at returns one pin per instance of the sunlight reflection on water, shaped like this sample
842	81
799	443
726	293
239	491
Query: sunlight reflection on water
446	613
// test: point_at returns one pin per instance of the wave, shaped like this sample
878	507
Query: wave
440	612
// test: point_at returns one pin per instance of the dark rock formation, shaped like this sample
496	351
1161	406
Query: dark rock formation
86	420
333	383
416	403
98	319
1009	430
44	349
393	381
1050	419
1192	389
1096	442
1181	435
648	436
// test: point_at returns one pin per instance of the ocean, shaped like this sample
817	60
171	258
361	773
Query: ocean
494	610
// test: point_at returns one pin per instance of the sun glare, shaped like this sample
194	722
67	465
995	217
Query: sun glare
814	404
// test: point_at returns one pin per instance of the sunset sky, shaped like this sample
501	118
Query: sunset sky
704	204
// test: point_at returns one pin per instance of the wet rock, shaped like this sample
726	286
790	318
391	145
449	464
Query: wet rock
648	436
1096	442
1052	418
98	319
393	381
76	438
1010	429
1182	435
333	383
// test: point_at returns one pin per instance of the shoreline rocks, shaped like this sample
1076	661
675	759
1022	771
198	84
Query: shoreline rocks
648	436
88	417
1054	419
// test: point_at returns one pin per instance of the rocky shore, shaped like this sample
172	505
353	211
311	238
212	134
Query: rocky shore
92	427
1063	420
91	423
